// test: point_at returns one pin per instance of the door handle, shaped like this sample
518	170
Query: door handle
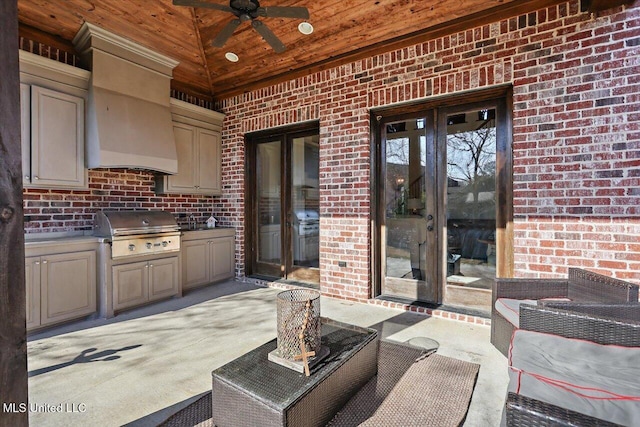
430	217
429	227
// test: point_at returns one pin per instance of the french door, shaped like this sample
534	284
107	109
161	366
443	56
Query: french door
283	204
442	199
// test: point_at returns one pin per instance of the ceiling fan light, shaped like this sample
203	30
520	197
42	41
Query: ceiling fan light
232	57
305	28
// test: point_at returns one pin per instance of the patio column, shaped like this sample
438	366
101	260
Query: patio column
13	335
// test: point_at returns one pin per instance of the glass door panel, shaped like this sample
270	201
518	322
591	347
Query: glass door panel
409	217
471	198
268	205
304	226
284	204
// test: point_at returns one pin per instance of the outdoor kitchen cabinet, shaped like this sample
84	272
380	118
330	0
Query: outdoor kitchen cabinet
197	133
60	286
52	98
137	283
207	256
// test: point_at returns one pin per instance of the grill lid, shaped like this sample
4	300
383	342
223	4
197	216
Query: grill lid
127	223
306	215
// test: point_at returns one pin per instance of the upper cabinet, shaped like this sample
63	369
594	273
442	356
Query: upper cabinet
197	133
52	97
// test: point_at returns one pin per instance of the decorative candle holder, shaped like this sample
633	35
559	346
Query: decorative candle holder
299	330
294	307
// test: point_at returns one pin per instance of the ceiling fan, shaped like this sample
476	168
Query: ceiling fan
249	10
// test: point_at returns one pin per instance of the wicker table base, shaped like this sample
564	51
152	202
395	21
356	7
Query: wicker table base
251	391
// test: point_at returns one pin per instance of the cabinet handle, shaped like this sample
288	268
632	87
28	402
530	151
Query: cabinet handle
146	266
44	262
36	177
37	263
151	266
27	177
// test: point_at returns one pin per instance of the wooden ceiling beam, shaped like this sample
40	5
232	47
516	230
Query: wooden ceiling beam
203	56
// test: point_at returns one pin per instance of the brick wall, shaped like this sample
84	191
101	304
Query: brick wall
109	189
576	142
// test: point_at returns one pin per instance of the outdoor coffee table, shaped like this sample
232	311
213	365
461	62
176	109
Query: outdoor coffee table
253	391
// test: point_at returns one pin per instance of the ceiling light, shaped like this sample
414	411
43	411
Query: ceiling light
231	57
305	28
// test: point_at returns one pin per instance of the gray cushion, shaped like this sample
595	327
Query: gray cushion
510	309
593	379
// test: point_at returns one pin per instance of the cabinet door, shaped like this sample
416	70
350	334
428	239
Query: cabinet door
163	278
209	158
68	286
222	258
57	139
32	285
185	180
195	263
25	131
130	284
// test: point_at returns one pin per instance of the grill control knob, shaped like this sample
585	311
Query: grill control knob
148	245
164	244
132	247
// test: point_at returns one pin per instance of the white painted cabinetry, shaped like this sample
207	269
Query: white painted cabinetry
140	282
52	97
207	256
60	282
197	133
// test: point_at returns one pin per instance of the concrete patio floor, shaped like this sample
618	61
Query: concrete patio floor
145	364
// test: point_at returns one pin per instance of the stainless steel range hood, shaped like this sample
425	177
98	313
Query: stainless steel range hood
128	116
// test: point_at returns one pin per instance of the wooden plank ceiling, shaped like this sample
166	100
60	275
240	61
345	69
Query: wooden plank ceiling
344	30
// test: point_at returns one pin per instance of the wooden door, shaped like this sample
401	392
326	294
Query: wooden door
443	199
409	209
282	180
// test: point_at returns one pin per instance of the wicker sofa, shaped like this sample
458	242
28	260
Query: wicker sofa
580	286
577	365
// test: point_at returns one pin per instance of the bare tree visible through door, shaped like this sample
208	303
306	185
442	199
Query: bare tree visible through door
471	198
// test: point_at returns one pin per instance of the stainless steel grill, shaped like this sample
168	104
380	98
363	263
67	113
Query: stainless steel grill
135	233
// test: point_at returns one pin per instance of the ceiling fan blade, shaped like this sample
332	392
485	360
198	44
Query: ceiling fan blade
268	36
226	32
203	4
283	12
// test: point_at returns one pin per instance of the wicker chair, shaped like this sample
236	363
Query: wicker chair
617	324
580	286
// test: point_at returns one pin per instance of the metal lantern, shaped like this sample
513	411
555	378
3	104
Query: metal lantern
298	320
